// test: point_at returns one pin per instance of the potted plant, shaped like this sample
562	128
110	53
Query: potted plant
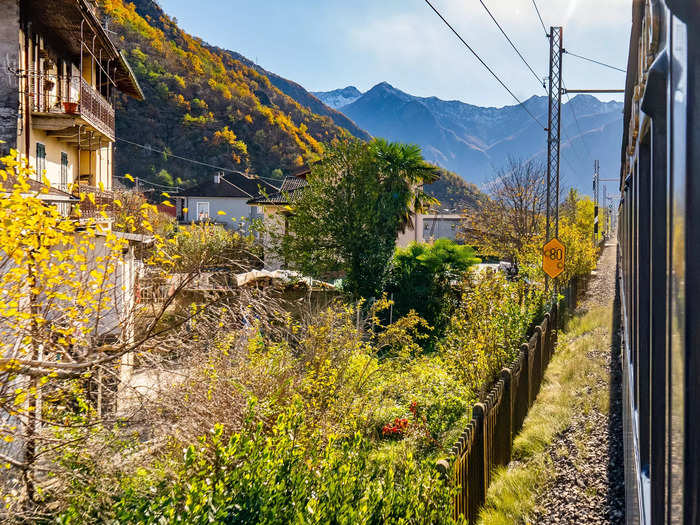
70	107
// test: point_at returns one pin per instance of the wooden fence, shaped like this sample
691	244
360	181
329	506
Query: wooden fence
487	442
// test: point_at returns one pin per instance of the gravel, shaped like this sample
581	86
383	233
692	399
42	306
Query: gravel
587	457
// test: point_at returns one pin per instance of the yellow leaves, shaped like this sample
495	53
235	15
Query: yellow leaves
168	204
221	212
165	194
129	177
185	210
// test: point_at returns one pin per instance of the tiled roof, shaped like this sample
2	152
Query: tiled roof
290	185
230	185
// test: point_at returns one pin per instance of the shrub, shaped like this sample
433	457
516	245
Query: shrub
486	331
422	278
283	476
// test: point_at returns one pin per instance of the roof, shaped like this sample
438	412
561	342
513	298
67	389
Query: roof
290	185
63	21
231	185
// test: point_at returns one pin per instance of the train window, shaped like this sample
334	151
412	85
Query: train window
655	105
677	275
643	364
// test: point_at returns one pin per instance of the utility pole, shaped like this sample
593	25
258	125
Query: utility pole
554	124
553	129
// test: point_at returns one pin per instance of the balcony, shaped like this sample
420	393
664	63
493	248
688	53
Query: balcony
96	201
66	106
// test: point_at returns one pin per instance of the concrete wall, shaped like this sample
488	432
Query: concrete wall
9	82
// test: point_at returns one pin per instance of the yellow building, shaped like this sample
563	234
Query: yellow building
58	91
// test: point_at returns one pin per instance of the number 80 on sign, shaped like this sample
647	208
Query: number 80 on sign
553	258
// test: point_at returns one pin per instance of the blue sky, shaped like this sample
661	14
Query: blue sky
328	44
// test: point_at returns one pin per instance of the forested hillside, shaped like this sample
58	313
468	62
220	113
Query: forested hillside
454	193
204	104
217	107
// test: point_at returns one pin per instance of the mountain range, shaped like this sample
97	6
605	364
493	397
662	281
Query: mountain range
474	141
221	109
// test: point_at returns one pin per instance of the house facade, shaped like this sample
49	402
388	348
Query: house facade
428	227
223	200
61	75
57	94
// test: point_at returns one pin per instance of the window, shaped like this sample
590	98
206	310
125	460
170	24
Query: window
40	160
202	211
64	171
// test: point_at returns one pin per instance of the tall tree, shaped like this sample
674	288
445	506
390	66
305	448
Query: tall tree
511	219
345	222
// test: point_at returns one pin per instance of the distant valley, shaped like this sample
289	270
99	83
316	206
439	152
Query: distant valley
473	141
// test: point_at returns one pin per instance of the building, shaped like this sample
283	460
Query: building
273	208
223	200
62	74
428	227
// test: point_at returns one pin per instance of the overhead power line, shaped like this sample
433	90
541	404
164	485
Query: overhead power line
149	183
193	161
578	125
595	61
484	63
544	28
537	77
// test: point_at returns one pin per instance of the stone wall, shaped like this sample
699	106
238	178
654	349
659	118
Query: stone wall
9	81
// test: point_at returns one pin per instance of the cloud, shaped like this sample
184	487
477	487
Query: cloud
413	45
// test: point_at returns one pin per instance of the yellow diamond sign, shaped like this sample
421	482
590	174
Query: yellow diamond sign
553	258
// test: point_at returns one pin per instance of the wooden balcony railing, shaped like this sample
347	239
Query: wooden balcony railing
63	96
96	110
95	202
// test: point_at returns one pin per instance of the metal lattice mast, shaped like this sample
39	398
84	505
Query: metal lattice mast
596	199
554	124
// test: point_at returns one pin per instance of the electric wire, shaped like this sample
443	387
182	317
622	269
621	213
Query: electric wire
595	61
539	80
563	130
520	103
544	28
156	185
193	161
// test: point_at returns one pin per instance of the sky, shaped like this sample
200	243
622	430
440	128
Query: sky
330	44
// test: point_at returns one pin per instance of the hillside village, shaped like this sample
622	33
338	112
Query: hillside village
219	305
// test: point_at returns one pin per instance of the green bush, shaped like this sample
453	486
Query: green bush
422	279
283	476
486	331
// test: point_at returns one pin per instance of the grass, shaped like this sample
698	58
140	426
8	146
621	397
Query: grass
568	388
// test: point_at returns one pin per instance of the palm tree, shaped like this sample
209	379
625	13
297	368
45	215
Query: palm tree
403	172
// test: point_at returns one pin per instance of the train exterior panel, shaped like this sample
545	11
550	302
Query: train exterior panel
659	264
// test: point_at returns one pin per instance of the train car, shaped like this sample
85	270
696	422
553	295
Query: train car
659	264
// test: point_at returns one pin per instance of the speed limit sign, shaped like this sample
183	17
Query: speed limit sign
553	258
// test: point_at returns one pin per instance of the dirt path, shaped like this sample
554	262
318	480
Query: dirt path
586	458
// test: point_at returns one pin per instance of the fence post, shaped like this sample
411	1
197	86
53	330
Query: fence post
523	396
479	477
541	353
548	337
505	427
